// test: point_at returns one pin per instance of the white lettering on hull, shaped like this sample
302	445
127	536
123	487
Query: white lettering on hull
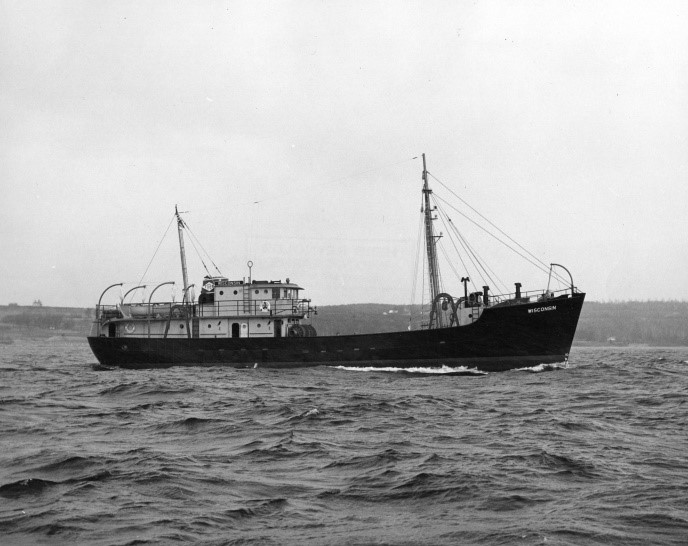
540	309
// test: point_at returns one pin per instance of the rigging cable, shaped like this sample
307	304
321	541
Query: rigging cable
491	276
543	266
458	253
471	257
535	264
156	250
415	266
207	255
199	255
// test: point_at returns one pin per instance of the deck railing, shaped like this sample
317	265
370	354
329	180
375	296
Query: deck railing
527	296
240	308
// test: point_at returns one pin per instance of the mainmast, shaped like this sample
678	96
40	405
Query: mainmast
430	241
180	229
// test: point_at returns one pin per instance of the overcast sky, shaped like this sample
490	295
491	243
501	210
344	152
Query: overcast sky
287	130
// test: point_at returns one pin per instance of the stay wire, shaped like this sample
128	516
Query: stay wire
491	275
543	266
488	220
526	258
493	278
206	253
193	244
476	265
415	266
156	250
458	252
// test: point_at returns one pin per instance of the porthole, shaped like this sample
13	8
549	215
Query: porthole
258	325
265	291
222	293
209	326
257	291
181	326
235	292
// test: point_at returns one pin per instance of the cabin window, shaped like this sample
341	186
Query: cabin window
275	293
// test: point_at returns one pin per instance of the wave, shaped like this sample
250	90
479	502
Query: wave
144	389
368	461
257	508
439	370
195	424
29	486
543	368
69	464
328	457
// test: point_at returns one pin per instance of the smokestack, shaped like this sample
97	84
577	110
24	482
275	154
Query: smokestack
486	300
518	290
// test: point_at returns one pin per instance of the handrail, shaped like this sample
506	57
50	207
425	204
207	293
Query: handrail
570	277
524	296
255	308
277	308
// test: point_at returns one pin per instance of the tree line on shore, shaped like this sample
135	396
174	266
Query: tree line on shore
651	322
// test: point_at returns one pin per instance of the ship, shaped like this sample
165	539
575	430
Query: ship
249	323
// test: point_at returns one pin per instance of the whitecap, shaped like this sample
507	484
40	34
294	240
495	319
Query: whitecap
441	370
542	368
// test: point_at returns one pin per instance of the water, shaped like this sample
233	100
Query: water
595	453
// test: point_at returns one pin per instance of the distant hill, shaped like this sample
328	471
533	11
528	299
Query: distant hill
364	318
41	321
652	322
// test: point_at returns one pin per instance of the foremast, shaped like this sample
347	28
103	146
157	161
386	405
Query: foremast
430	242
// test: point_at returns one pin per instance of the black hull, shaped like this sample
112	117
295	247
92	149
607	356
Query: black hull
505	337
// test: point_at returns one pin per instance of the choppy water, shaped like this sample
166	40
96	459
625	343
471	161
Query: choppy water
596	453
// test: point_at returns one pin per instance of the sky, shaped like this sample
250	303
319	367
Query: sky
290	134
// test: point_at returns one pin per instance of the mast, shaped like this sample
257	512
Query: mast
180	229
433	268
